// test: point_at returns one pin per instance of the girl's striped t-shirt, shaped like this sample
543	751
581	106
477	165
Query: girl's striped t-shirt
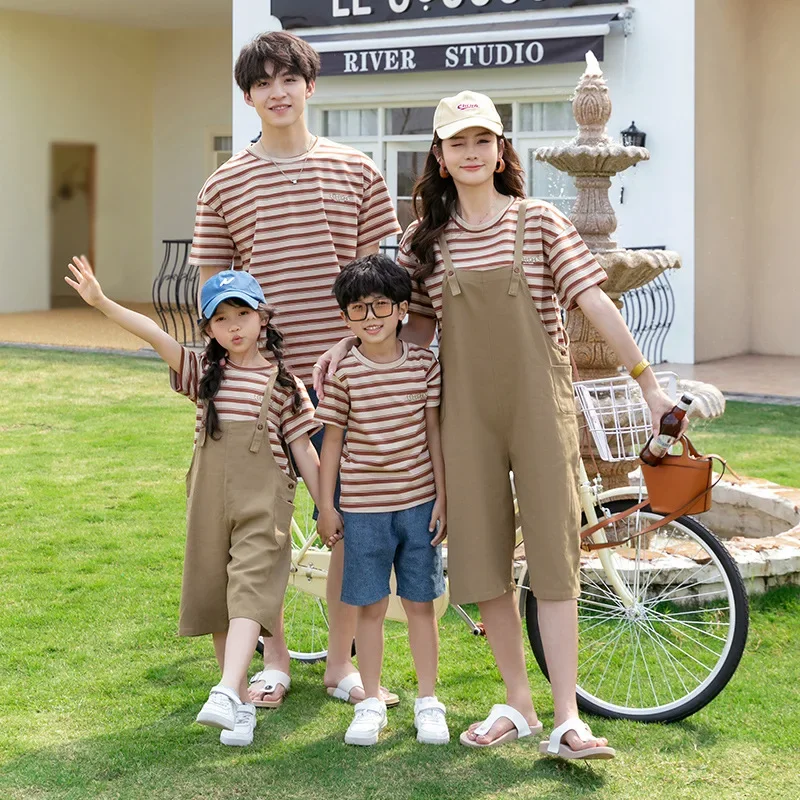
557	263
294	238
239	399
386	465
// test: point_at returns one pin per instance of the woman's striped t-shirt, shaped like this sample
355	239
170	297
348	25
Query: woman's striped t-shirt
557	263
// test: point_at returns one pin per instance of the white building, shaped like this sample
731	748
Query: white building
147	89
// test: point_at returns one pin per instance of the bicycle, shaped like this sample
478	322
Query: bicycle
662	621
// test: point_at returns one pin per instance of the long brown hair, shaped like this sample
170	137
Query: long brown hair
434	201
216	358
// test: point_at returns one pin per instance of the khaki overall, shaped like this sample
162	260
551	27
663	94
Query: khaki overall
507	405
238	542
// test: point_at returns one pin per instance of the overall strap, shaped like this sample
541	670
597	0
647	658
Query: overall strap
517	273
450	277
261	425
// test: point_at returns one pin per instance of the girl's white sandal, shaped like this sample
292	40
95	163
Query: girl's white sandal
521	729
272	678
556	748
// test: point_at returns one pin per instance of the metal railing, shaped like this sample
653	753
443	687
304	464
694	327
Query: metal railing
175	293
648	311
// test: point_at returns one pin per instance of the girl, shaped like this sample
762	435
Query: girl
241	483
492	271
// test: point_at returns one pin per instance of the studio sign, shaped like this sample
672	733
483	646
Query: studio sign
322	13
461	56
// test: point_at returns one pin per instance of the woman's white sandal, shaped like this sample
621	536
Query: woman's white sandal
272	678
521	729
556	748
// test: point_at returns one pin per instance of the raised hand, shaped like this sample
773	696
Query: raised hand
84	282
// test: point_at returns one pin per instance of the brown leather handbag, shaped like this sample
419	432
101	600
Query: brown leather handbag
679	485
681	482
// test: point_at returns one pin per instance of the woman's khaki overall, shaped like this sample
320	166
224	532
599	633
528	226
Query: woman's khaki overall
238	543
507	405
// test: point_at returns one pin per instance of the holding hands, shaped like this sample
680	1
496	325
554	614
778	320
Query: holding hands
330	527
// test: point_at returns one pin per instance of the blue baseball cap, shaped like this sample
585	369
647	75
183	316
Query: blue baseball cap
226	285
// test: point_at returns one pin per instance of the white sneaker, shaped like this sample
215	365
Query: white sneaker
430	722
242	733
219	711
368	721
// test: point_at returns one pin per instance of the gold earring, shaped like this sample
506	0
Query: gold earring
443	171
501	166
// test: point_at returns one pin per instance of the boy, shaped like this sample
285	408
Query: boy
385	394
291	209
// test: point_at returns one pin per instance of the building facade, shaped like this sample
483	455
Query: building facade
711	82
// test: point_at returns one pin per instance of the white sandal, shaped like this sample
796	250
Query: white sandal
344	690
556	748
521	729
273	678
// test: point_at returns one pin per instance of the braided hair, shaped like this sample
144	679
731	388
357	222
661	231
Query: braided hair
216	360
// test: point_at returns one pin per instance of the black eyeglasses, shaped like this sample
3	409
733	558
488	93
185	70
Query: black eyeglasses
357	312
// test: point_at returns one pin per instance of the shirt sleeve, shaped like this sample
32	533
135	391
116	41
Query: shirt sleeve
376	216
420	300
334	408
434	381
296	423
573	267
186	380
212	244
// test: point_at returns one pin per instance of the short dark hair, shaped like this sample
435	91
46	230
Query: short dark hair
285	50
371	275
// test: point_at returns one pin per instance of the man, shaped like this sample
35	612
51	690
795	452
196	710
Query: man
292	209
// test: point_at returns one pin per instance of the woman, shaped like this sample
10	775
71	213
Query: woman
493	270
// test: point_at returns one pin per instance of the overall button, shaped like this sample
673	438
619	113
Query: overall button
291	486
260	426
516	269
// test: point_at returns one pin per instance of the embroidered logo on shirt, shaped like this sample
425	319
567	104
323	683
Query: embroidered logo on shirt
417	396
341	198
531	259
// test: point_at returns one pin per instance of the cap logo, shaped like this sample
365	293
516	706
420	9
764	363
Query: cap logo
467	106
225	281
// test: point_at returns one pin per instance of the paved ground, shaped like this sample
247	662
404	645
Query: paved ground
773	378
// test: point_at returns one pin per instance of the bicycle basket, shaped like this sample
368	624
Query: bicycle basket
616	414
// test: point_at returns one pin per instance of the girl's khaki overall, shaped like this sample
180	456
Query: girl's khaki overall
238	542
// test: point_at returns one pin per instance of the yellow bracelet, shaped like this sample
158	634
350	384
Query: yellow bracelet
639	368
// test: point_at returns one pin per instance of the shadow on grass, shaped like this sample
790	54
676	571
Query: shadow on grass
294	755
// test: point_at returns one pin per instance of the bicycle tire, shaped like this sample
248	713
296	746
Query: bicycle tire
671	627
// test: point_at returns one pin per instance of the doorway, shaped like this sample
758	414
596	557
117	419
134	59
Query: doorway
72	214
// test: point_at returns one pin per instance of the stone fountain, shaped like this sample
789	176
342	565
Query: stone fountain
759	521
592	159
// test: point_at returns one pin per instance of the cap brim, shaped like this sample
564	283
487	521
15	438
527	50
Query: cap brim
452	128
211	306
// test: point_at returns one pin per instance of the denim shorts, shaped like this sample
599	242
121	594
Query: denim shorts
373	543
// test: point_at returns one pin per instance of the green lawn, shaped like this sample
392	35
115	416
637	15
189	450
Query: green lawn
98	694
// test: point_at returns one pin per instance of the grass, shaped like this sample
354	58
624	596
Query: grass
98	694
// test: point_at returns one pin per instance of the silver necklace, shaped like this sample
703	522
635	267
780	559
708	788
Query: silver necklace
302	169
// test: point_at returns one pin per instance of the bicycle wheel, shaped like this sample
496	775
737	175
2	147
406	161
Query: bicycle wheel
305	615
673	649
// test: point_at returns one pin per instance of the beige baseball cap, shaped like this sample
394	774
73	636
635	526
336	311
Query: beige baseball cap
466	110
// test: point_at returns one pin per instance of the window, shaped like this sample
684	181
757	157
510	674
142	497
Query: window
342	124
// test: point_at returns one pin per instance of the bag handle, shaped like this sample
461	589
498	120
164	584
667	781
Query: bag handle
586	533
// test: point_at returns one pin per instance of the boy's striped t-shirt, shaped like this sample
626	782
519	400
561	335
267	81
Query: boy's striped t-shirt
294	238
386	465
557	263
239	399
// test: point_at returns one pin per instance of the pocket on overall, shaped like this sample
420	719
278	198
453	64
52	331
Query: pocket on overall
284	511
561	376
